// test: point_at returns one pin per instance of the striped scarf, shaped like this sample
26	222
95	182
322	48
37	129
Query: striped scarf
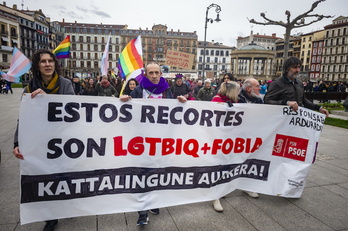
51	88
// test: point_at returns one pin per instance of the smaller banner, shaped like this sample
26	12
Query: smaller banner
179	59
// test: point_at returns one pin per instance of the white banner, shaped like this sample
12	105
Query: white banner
97	155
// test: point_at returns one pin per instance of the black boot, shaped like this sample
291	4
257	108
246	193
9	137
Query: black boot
50	225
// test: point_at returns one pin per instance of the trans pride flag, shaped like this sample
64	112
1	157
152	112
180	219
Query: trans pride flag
130	62
105	59
63	49
20	64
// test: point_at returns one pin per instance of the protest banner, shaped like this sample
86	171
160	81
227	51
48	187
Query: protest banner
88	155
179	59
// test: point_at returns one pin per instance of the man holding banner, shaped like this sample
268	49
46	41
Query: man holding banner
288	90
154	86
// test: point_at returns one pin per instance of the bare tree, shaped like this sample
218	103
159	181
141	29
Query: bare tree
297	22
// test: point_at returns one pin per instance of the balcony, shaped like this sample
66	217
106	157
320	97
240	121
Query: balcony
6	48
4	33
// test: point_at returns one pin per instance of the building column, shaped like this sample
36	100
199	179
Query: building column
252	63
236	66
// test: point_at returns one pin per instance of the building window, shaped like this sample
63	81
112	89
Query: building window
217	52
314	51
212	52
4	58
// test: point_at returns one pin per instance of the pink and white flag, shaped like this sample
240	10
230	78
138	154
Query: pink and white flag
20	64
105	59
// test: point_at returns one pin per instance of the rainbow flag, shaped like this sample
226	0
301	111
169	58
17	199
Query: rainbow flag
20	64
63	49
131	58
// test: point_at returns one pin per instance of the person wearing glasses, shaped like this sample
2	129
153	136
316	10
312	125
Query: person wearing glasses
250	92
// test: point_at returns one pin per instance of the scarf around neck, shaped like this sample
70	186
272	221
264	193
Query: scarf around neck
155	88
105	83
51	88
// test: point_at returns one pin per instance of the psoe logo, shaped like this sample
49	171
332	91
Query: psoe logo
290	147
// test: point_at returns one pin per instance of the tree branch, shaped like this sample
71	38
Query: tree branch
314	21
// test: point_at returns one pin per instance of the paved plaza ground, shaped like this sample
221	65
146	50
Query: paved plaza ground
323	205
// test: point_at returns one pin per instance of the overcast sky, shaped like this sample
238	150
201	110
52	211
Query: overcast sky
188	15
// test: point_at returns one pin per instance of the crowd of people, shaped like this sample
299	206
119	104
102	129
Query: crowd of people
285	90
325	86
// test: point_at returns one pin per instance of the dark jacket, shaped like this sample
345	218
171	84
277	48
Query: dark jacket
183	89
245	98
206	94
282	90
108	91
65	88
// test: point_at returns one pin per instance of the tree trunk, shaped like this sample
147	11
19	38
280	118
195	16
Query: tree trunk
286	42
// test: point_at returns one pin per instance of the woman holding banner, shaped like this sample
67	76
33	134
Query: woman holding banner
46	80
227	93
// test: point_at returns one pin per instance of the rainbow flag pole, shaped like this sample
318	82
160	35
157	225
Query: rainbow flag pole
63	49
130	62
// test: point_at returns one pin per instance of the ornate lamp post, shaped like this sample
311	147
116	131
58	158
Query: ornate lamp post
217	10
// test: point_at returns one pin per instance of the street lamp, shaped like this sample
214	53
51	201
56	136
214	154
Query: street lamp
217	10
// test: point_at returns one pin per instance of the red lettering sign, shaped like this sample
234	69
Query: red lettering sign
290	147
